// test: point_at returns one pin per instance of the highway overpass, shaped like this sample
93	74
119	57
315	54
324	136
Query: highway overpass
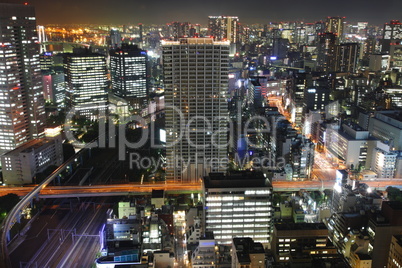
174	188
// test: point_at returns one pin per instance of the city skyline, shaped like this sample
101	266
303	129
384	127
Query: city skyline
237	145
160	12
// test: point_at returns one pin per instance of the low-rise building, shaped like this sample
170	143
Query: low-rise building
163	259
155	234
121	243
205	255
193	233
296	240
126	210
247	253
359	260
24	162
349	145
387	127
237	205
158	198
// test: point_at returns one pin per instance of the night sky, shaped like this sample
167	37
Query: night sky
196	11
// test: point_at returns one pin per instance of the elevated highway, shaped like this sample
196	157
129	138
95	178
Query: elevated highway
174	188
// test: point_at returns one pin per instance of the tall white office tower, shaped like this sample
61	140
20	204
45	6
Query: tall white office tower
196	82
87	82
22	113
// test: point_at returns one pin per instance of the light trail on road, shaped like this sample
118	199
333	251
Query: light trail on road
124	189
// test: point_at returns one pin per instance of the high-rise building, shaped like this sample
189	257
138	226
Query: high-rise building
196	82
362	28
346	57
87	82
302	158
141	32
349	145
238	205
178	29
326	52
395	53
280	48
296	91
54	89
51	65
335	25
115	38
319	27
224	28
395	253
392	33
129	73
379	62
22	113
281	139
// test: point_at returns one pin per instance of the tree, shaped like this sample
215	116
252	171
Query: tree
7	202
277	199
317	197
68	151
393	193
40	177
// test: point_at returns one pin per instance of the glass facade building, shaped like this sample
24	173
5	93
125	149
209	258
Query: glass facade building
129	73
87	82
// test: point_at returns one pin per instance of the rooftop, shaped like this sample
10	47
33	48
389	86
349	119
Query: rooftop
300	226
399	239
29	146
206	40
157	193
243	258
395	205
126	49
363	256
385	116
238	179
256	83
247	245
